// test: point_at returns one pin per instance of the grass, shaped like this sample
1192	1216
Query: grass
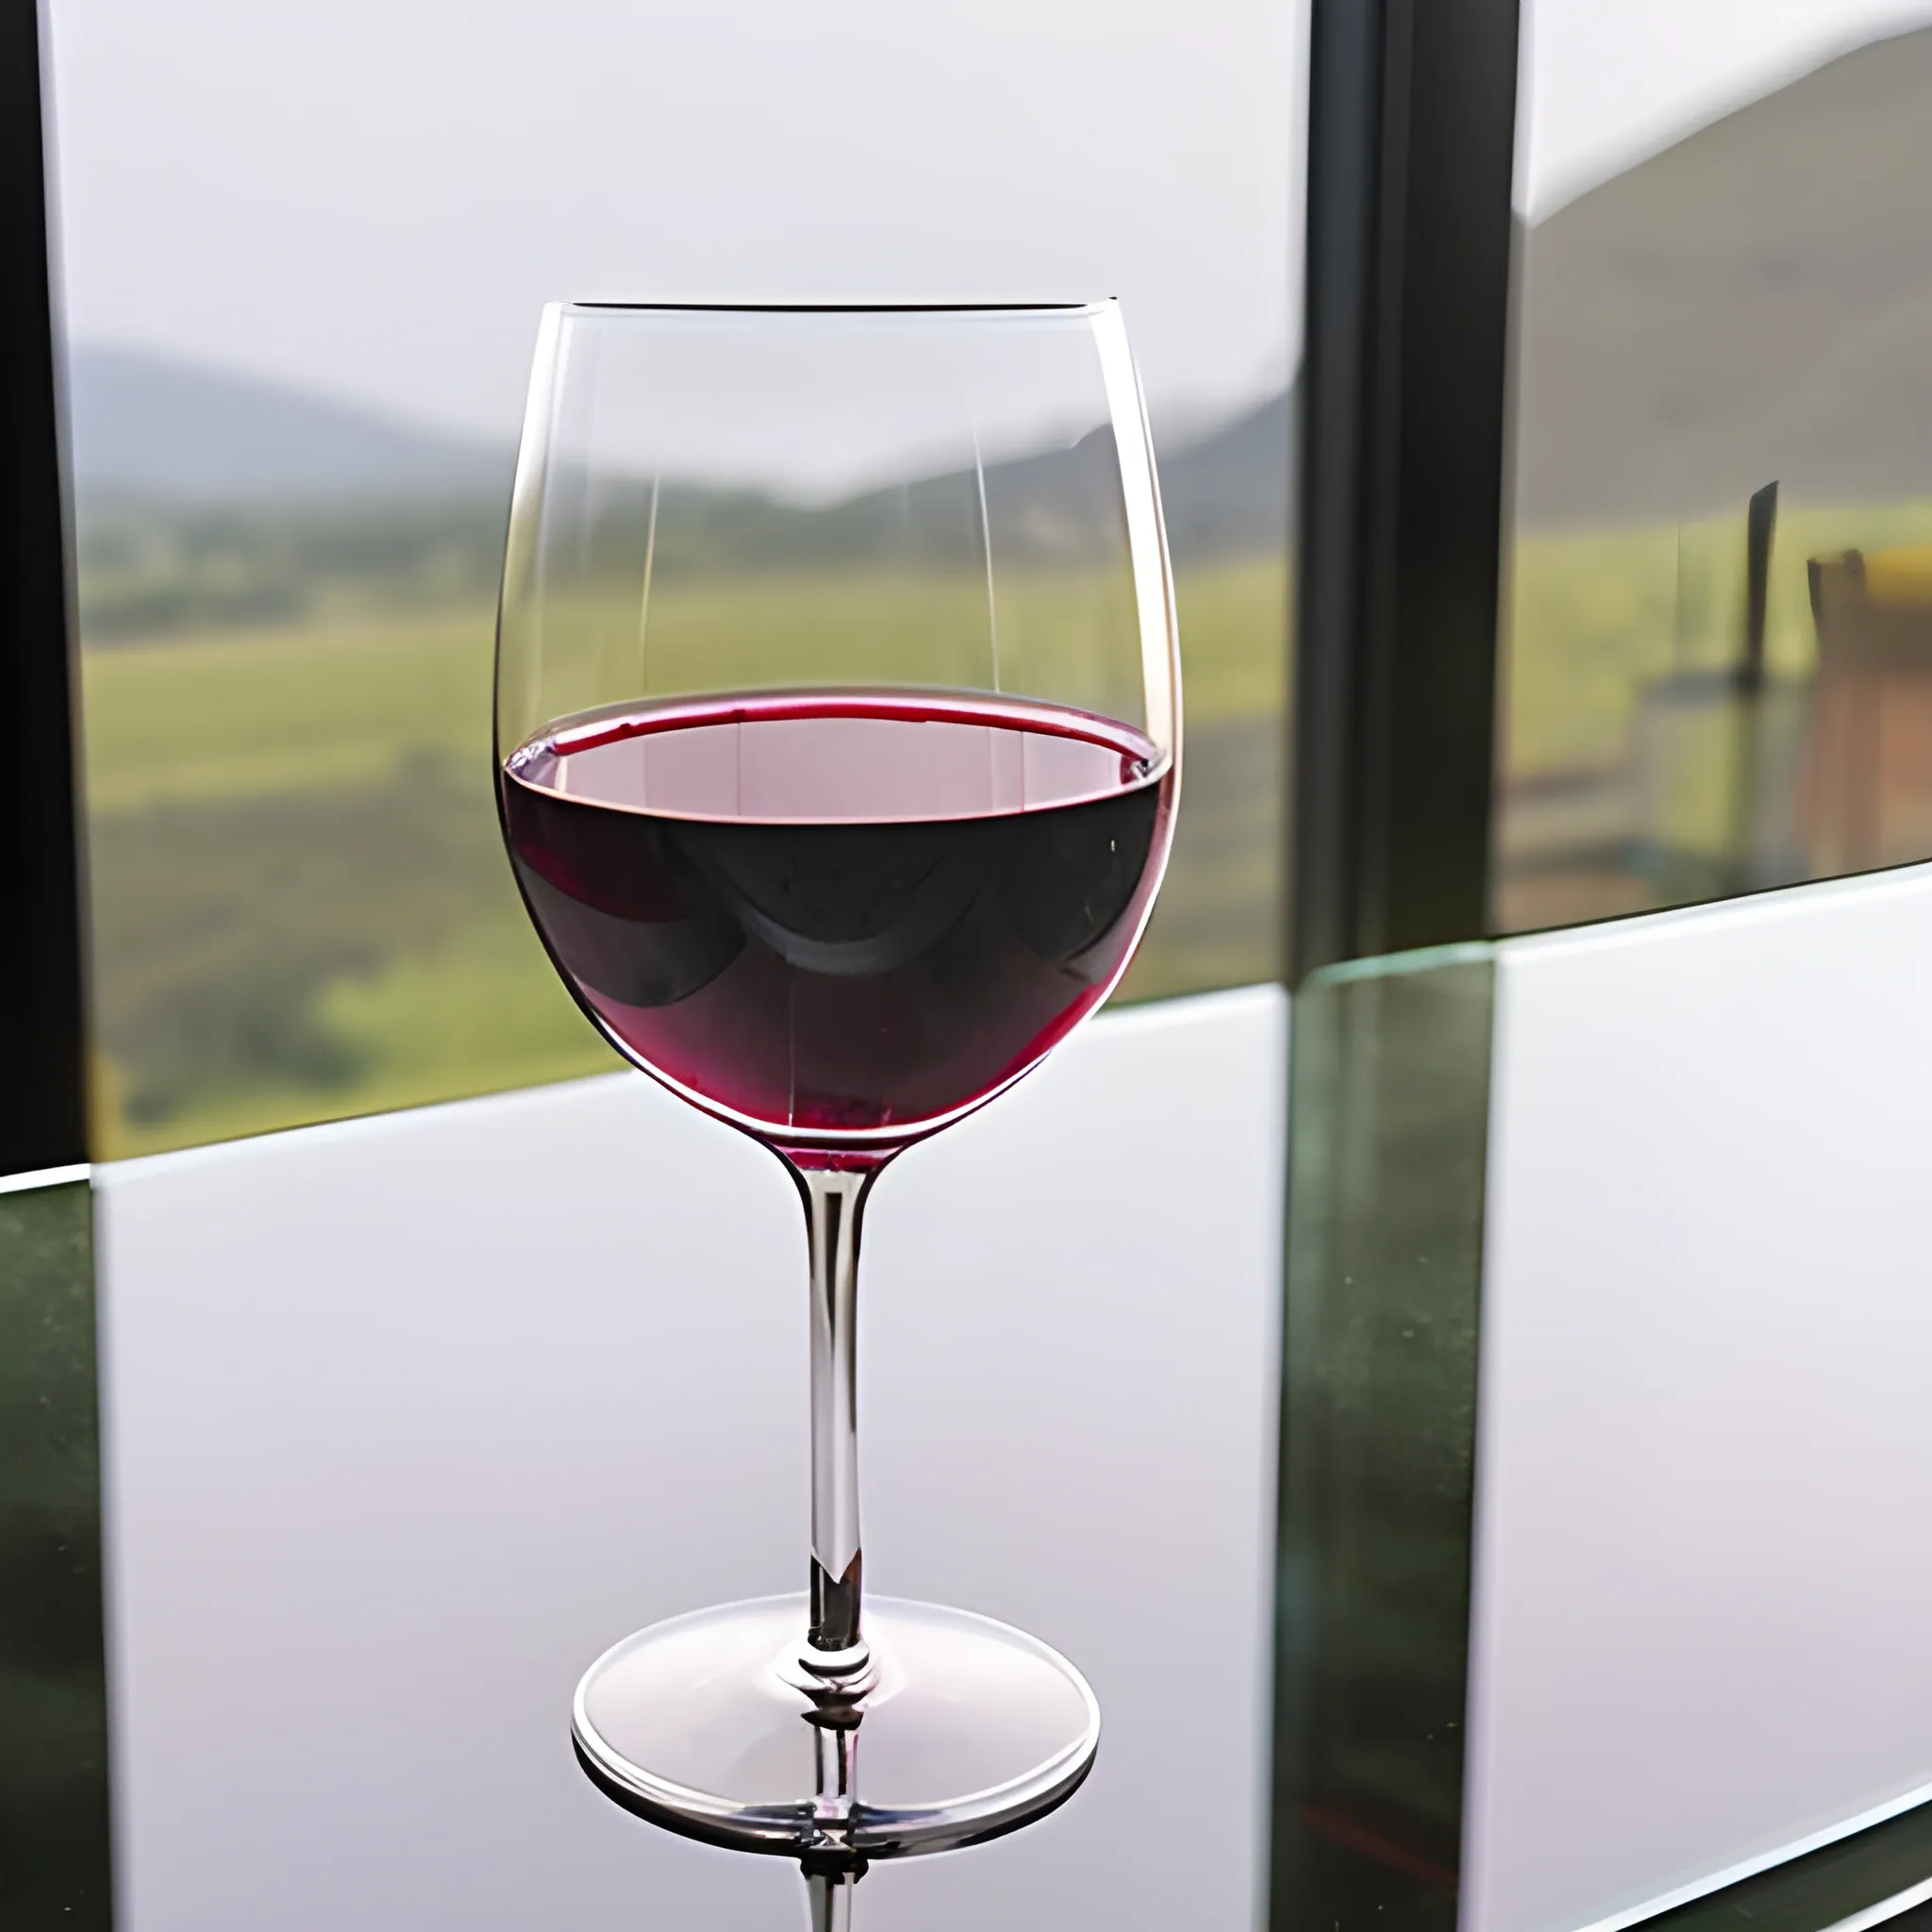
302	909
315	707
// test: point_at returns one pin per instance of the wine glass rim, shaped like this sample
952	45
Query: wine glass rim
1094	306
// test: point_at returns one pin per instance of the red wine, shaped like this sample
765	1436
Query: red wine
839	917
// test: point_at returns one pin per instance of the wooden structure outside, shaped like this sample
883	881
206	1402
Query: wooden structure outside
1866	796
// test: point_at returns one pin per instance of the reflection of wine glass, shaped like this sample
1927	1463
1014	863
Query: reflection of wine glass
838	714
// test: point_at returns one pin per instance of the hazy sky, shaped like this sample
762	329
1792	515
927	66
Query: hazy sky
373	197
1607	81
376	196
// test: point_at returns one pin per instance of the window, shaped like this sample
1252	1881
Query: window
1719	619
305	248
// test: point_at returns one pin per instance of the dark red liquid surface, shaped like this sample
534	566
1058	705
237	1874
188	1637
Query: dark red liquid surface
839	916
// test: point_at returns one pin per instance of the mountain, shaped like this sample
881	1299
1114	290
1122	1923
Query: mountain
1233	491
1223	494
1753	302
1756	301
150	430
146	426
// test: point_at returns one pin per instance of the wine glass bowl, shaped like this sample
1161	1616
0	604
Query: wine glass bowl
837	736
839	917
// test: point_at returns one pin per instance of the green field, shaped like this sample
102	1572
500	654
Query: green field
302	909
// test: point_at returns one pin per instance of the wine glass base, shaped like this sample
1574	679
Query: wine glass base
709	1725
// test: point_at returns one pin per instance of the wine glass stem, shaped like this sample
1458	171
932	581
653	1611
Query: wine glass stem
834	1205
830	1897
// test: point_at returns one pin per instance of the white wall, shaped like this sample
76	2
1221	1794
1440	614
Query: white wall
409	1418
1704	1564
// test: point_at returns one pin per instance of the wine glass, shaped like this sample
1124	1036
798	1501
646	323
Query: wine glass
838	727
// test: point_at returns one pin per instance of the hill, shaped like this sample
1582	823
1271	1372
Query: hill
150	426
153	428
215	499
1231	491
1753	302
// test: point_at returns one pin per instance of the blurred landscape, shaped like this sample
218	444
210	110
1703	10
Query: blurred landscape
301	907
286	603
1753	304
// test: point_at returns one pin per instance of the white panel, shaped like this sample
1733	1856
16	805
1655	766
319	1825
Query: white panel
410	1417
1704	1617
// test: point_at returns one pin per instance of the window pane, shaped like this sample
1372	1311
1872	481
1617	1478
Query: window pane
1719	671
305	250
